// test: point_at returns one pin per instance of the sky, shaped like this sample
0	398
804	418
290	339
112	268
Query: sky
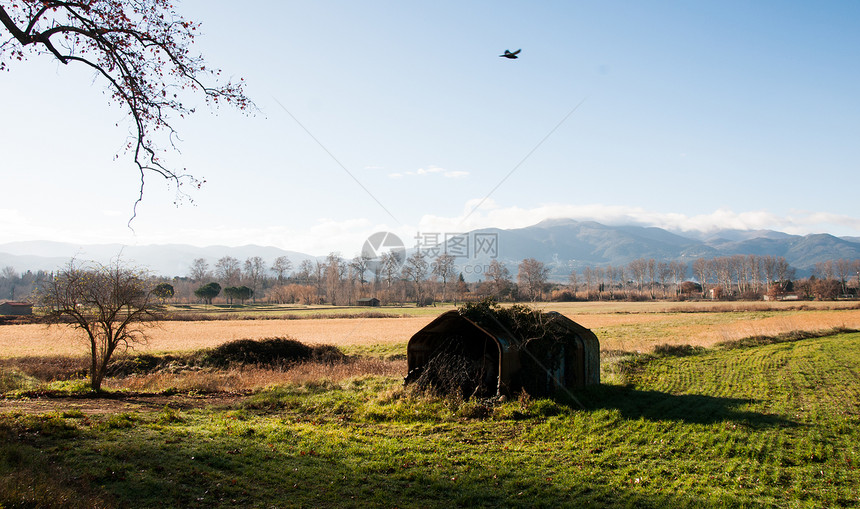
400	116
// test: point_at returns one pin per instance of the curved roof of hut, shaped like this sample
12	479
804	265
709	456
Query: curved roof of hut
512	328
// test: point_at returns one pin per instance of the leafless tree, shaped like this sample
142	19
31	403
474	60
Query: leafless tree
723	273
360	265
824	270
652	276
768	266
499	278
679	274
303	274
591	281
573	282
613	275
737	274
600	273
199	270
281	268
255	270
10	276
664	272
318	278
228	271
443	268
141	50
390	265
415	269
9	272
702	270
334	275
843	271
358	268
784	271
638	269
113	304
755	269
855	267
532	276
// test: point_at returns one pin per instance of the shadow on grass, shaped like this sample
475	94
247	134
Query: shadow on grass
689	408
252	469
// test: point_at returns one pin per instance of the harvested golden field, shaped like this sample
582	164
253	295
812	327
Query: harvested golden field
624	307
25	340
642	332
619	326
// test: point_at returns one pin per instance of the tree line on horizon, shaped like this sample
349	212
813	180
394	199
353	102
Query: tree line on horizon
422	279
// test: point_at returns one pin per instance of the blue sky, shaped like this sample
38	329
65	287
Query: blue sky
691	115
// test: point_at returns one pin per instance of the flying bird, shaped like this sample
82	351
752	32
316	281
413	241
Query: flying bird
511	54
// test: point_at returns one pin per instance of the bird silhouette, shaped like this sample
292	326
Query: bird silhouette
511	54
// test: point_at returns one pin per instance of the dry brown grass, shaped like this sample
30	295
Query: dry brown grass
643	332
772	326
251	378
619	326
38	340
624	307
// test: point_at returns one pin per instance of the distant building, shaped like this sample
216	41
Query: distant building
787	296
16	308
368	301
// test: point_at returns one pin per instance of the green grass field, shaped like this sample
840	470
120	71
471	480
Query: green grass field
769	426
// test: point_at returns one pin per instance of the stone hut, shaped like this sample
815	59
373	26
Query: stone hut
489	350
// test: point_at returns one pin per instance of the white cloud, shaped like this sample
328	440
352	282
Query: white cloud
14	226
430	170
491	214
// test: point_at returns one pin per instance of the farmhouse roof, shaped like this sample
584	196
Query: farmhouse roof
16	304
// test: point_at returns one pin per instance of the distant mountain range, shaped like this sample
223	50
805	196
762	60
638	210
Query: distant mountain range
566	244
563	244
167	259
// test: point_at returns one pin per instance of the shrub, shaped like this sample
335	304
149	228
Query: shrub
138	364
13	380
449	373
667	350
562	296
270	351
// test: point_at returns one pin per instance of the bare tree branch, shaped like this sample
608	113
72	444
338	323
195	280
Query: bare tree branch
142	50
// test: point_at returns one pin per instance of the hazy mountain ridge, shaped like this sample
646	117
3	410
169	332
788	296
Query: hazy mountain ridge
563	244
164	259
568	244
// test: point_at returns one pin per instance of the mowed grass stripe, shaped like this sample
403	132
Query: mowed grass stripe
787	413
